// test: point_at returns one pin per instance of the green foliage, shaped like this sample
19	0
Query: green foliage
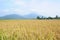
38	17
56	17
49	18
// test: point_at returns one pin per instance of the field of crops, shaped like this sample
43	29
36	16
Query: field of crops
29	29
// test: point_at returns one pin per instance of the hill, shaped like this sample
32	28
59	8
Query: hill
12	16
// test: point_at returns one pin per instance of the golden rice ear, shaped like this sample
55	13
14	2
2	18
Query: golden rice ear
29	29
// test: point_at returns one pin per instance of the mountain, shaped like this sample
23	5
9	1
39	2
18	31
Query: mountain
32	15
12	16
15	16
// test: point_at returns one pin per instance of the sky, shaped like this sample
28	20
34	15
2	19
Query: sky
24	7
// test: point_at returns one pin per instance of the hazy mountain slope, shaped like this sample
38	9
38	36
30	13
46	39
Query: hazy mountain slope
32	15
15	16
12	16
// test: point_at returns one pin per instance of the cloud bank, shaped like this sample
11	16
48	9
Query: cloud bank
23	7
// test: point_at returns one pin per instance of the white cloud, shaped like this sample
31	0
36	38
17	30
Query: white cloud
5	10
19	2
46	8
43	7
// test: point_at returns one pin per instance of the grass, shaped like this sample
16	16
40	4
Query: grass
29	29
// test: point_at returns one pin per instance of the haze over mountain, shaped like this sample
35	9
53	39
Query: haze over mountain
32	15
23	7
12	16
16	16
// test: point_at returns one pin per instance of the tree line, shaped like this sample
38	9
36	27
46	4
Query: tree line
56	17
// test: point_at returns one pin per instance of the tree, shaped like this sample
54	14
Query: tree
49	18
38	17
56	17
42	17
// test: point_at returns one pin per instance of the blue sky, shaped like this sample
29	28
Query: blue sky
24	7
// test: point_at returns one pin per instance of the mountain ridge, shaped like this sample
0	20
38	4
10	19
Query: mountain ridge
16	16
32	15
